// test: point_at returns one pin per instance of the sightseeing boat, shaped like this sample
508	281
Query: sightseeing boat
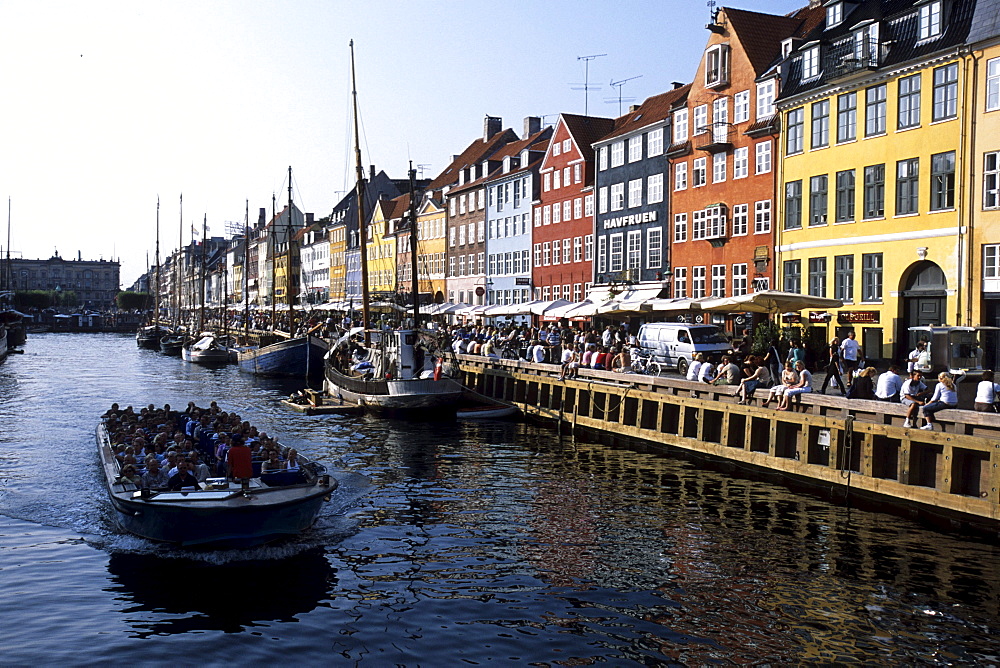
219	513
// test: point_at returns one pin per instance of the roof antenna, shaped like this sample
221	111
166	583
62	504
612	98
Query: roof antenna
586	81
618	85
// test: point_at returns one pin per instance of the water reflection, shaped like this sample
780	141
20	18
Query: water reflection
190	595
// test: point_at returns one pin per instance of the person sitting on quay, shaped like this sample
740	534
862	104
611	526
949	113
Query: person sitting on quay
863	386
944	396
569	356
183	479
789	377
912	394
694	369
622	362
600	360
154	477
796	353
759	377
888	385
729	373
803	386
987	393
707	372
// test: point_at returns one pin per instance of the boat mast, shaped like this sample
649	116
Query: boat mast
274	255
361	204
415	278
246	272
180	261
201	308
8	275
288	263
156	295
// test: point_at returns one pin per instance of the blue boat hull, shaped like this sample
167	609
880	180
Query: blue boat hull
296	357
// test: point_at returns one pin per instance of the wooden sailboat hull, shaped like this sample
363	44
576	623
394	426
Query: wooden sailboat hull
302	356
149	337
393	396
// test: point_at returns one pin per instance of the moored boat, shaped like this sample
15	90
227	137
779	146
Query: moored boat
149	337
219	512
171	344
207	350
3	343
301	356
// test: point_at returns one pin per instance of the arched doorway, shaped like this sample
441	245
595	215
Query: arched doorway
923	292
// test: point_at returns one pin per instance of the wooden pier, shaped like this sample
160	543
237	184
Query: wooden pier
845	445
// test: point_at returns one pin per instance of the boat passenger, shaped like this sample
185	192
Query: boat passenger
155	477
239	465
272	464
199	468
131	474
183	479
292	463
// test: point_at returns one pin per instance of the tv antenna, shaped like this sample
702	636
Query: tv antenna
421	168
234	228
586	80
618	85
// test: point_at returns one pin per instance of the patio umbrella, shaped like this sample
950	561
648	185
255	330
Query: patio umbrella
541	307
679	304
769	301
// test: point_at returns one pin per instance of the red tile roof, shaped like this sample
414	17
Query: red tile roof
586	130
761	34
653	109
474	153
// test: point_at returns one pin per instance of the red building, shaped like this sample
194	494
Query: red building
563	232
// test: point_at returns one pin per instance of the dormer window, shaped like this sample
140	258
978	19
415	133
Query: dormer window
810	63
834	14
930	20
506	164
717	66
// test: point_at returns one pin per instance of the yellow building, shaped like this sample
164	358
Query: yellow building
338	262
872	166
381	250
432	249
984	200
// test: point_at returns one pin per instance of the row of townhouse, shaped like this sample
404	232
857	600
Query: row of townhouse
849	149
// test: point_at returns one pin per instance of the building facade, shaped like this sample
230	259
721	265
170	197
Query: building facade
95	282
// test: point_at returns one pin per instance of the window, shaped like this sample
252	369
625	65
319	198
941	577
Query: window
618	154
547	181
843	278
817	276
557	213
617	196
588	205
717	65
793	205
875	111
654	143
635	193
699	173
602	199
602	254
461	265
718	167
993	84
765	99
930	20
818	200
556	148
871	277
577	208
538	217
907	186
654	247
481	259
820	124
634	249
654	188
680	176
763	157
698	224
991	181
739	279
616	257
909	102
991	261
741	162
567	210
461	235
793	275
741	106
588	247
720	112
547	215
810	63
847	117
577	292
577	249
567	145
943	181
635	148
796	120
762	217
680	125
700	119
741	219
577	173
698	282
680	227
875	191
834	14
845	196
481	231
680	282
546	253
556	252
602	158
945	93
556	180
718	280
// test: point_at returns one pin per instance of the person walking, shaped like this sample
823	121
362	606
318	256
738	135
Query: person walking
832	368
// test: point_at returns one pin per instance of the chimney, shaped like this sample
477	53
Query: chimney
79	256
262	218
676	84
815	3
371	172
632	108
491	126
532	124
309	219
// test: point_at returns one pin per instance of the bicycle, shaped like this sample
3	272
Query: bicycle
646	364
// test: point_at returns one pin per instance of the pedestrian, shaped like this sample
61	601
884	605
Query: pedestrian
832	368
850	356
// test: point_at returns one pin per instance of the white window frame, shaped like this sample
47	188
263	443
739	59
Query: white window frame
654	188
680	227
617	194
717	65
739	284
993	84
633	259
616	252
602	158
762	217
654	247
680	125
618	153
588	248
719	167
654	143
719	280
700	120
741	107
930	20
741	162
741	220
762	157
634	193
680	282
635	148
680	176
698	282
991	180
699	172
765	99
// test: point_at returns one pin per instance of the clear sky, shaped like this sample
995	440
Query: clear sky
107	105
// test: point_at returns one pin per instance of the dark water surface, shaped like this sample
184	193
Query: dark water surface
454	544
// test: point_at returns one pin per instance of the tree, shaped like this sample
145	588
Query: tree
133	301
32	299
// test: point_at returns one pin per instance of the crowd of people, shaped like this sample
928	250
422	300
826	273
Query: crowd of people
164	449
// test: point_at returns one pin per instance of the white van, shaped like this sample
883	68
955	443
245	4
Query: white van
674	344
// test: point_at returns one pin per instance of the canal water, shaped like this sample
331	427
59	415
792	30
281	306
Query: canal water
454	544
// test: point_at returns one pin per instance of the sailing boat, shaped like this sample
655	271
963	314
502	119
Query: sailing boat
171	344
149	336
395	371
297	355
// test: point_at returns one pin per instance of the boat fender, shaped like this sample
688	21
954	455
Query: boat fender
437	369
